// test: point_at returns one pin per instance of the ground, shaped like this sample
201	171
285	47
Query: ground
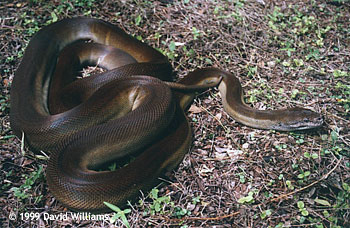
285	53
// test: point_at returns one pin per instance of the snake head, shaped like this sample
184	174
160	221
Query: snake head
296	119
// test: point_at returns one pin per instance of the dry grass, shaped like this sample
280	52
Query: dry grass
286	53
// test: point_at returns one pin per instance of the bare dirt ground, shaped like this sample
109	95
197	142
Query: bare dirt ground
286	54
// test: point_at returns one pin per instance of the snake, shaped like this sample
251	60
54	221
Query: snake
133	110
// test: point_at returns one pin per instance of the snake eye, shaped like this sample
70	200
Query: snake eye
320	119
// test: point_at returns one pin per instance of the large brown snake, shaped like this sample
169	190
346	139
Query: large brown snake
89	122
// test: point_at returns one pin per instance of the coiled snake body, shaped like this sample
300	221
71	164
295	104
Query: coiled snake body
128	110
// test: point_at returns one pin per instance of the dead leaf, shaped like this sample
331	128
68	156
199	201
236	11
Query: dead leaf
245	146
220	156
218	116
234	153
6	82
27	162
204	170
261	64
207	101
220	149
195	109
207	147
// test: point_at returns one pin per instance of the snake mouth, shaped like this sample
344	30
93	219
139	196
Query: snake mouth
299	125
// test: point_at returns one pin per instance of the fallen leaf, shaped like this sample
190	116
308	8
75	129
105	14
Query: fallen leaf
261	64
195	109
245	146
220	156
6	82
220	149
234	153
218	116
204	169
322	202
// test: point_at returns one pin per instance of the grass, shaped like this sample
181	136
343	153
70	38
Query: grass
286	54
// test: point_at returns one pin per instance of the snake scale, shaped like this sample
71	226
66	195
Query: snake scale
131	109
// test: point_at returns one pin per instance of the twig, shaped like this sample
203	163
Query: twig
258	205
22	145
307	186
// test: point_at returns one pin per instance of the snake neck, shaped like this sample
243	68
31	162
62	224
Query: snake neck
289	119
232	97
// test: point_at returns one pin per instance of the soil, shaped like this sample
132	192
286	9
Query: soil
285	53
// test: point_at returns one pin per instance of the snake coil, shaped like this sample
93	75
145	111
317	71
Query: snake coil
132	109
